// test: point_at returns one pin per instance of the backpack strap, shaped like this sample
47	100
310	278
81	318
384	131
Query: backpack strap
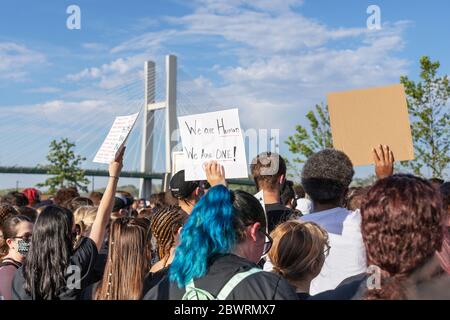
10	262
234	281
192	290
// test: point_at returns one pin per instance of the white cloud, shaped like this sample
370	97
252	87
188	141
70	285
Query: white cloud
285	60
113	74
267	31
43	90
15	59
149	41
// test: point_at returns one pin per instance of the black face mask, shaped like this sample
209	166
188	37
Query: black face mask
23	247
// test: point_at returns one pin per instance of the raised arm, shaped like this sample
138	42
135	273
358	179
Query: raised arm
106	204
384	160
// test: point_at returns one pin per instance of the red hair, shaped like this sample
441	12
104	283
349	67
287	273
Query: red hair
402	228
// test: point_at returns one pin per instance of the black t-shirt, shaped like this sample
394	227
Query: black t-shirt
100	263
153	278
303	295
277	214
84	257
259	286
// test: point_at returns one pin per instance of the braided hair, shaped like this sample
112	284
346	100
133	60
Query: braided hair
164	225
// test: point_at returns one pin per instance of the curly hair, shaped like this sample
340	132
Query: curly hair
402	228
6	210
445	191
326	175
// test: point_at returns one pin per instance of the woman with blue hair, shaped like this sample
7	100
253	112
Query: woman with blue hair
220	246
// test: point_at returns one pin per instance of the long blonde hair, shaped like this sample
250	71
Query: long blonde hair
128	260
298	250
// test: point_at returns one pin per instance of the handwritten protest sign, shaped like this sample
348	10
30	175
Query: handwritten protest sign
177	161
213	136
363	119
116	138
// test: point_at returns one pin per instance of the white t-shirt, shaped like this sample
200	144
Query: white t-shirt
347	256
305	206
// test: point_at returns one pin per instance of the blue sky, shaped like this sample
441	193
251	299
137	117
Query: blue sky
273	59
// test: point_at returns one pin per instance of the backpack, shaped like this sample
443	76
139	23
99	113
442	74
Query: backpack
193	293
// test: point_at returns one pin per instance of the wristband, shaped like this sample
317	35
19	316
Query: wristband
114	177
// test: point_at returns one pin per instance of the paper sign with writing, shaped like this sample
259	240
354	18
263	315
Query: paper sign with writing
177	161
363	119
116	138
213	136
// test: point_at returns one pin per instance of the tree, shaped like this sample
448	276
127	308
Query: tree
304	143
65	167
430	119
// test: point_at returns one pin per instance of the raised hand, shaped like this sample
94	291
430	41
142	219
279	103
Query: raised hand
384	161
98	230
115	167
215	173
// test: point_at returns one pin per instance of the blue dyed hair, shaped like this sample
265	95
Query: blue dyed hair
215	226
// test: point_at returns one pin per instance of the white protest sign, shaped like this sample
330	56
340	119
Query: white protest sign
116	138
177	161
213	136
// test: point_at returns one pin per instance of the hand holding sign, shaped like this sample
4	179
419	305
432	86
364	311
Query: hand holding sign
117	136
215	173
214	136
115	167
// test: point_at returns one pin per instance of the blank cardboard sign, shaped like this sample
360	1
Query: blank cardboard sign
363	119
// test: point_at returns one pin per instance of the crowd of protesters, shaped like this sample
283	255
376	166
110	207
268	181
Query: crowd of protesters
321	240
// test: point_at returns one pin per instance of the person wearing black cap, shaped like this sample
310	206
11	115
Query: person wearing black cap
188	193
122	206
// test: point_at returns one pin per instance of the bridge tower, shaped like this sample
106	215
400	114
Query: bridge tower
170	106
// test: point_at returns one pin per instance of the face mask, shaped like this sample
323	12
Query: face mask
23	247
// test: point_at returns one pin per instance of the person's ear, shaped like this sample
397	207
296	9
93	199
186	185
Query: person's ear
253	230
282	179
10	243
123	213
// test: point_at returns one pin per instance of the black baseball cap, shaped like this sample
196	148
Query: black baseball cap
180	188
121	202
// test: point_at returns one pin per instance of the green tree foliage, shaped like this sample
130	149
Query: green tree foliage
64	167
304	142
430	119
